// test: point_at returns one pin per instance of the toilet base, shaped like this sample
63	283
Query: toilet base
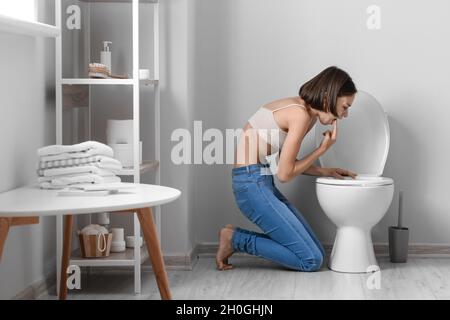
353	251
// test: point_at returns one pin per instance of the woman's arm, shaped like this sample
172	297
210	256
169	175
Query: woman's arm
329	172
314	171
289	166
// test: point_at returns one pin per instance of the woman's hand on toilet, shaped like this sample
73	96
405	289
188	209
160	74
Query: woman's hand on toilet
338	173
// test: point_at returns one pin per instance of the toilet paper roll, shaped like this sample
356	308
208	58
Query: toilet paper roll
118	235
119	131
124	153
144	74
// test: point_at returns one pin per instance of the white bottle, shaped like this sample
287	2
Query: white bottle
105	56
103	220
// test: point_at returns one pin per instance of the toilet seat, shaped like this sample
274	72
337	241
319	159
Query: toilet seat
359	181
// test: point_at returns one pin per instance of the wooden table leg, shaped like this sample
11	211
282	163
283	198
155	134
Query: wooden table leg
65	257
154	250
5	224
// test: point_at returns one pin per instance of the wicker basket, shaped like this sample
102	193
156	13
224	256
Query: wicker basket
94	246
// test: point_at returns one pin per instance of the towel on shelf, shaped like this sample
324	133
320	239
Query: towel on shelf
99	161
64	182
94	147
75	170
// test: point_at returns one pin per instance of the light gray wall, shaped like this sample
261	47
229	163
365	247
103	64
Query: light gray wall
247	53
27	123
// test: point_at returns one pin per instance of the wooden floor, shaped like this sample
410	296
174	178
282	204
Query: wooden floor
253	278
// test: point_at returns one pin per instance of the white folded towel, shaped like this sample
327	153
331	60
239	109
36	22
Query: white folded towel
95	148
103	173
49	186
76	170
99	161
65	182
88	178
74	155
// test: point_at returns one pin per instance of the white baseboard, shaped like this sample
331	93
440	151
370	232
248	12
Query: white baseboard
37	288
417	250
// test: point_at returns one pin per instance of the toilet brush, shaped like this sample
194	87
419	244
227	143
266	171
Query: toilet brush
399	236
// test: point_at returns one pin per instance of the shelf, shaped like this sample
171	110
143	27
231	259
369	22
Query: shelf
114	82
149	82
146	166
114	260
74	92
28	28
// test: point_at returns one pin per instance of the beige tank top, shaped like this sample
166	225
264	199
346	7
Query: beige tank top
263	120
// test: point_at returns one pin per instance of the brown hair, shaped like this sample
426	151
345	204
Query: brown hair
322	91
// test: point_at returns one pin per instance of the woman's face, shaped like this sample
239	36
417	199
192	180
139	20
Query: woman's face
342	106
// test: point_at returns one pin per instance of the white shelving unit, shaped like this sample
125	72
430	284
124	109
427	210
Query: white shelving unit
132	257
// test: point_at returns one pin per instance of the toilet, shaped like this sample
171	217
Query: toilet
356	206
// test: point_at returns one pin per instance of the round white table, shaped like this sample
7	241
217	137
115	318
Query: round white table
24	206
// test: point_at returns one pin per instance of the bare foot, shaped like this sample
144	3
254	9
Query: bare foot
228	226
225	249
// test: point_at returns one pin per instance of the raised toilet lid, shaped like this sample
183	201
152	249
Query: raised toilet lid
362	143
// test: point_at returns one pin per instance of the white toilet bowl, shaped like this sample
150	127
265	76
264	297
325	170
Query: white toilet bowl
355	206
354	209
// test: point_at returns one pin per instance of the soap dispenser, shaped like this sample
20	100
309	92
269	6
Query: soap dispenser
105	57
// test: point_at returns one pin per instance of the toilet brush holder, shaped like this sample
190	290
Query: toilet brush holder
399	237
398	244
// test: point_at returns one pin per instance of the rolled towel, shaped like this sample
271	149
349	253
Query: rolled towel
94	147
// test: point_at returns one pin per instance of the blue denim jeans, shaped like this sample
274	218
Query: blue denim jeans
287	239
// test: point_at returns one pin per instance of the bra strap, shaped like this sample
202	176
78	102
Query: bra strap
294	104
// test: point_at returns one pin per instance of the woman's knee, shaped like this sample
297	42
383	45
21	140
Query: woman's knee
313	262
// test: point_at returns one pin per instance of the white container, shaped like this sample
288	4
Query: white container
118	240
119	132
105	55
103	219
124	153
144	74
118	234
118	247
131	243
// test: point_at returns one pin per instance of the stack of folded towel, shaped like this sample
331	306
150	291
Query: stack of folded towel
89	162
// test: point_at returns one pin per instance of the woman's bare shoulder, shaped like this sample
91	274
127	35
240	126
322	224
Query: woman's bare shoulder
282	102
287	118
